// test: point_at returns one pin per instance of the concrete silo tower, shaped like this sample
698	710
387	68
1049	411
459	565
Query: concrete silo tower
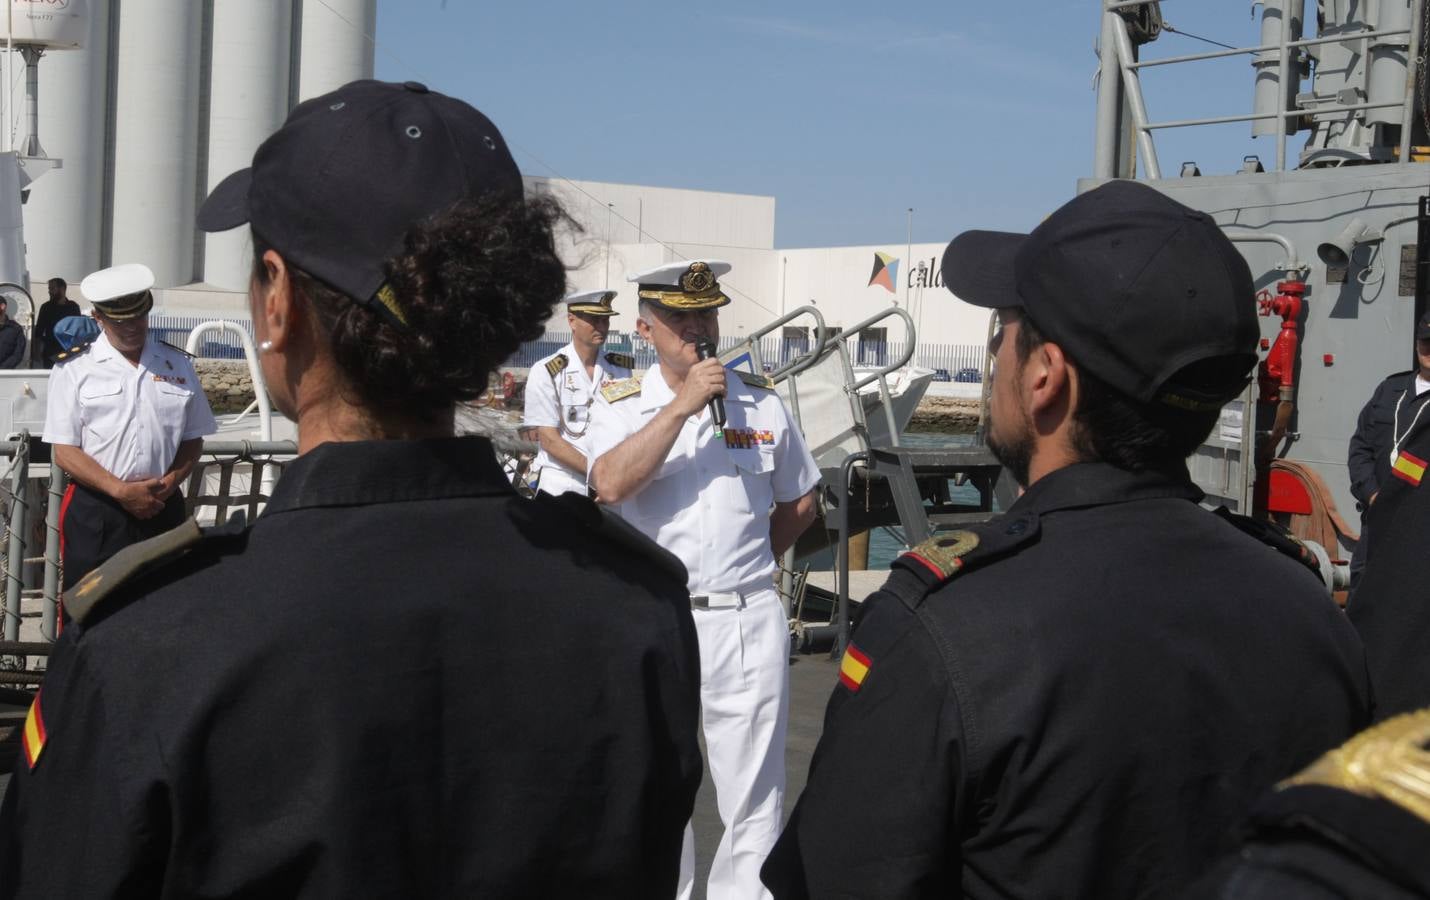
334	44
248	100
156	134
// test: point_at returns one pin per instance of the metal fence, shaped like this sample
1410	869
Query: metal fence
947	360
175	330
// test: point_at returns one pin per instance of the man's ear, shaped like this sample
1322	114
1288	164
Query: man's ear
1048	380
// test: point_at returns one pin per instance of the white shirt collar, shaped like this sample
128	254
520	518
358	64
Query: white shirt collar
1421	385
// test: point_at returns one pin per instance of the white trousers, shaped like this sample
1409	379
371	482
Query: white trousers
744	700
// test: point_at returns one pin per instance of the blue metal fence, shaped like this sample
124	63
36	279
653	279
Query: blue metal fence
175	330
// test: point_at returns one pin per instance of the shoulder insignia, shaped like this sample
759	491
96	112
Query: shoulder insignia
1389	761
555	364
138	559
624	360
71	353
854	668
180	349
34	735
1273	536
755	380
943	556
620	390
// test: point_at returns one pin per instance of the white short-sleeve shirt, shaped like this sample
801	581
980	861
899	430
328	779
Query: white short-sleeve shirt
564	401
709	502
130	418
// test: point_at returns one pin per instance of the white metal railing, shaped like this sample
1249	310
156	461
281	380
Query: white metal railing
1119	81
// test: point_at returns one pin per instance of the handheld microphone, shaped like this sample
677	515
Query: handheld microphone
704	349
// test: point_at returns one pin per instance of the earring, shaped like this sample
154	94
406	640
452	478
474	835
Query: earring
265	346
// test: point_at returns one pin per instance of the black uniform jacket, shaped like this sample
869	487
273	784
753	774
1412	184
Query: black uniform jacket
1369	455
1082	710
1391	606
402	681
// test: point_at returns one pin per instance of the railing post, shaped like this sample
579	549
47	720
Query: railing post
1283	121
1109	104
15	557
1133	86
50	607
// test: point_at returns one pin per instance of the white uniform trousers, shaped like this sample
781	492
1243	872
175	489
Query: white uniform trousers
744	699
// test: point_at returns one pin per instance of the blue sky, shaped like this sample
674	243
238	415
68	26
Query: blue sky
975	114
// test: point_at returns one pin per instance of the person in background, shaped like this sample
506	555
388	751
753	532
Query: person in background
1382	423
1079	697
403	680
12	339
126	418
560	389
728	500
43	345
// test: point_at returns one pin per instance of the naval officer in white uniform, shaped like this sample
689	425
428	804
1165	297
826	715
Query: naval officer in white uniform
560	389
126	418
727	502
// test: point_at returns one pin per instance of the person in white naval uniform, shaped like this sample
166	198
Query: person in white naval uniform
560	389
727	502
126	418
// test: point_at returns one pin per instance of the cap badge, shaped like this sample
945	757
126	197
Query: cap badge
697	278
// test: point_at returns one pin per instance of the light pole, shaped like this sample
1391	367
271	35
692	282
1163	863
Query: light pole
610	214
909	258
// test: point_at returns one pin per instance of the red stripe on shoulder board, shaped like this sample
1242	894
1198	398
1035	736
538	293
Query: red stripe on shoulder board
926	564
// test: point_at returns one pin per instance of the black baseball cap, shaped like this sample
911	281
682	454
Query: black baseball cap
1422	328
1133	285
336	189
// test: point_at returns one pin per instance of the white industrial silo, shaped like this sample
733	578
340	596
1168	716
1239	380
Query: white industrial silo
64	217
248	100
334	44
156	127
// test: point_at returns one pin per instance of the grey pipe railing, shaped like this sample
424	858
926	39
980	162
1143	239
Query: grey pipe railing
15	552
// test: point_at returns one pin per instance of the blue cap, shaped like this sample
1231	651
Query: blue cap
71	331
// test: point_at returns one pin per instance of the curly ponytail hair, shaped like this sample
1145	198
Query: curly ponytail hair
473	282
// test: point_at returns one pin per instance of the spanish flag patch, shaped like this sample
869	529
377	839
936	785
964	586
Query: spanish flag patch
855	668
33	737
1408	468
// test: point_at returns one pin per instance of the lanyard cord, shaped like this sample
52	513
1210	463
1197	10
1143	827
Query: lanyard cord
1396	437
594	379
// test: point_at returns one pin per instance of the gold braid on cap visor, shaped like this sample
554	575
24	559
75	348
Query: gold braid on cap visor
129	306
677	299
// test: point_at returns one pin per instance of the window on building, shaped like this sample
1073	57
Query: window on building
794	342
874	347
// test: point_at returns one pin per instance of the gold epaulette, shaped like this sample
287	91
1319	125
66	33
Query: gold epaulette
620	390
556	364
1388	761
755	380
944	554
71	353
624	360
